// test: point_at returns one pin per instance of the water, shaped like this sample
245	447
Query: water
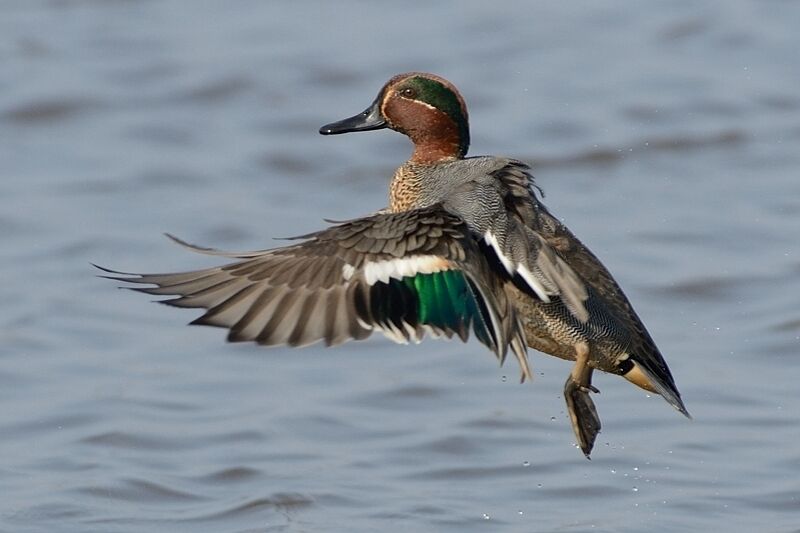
665	134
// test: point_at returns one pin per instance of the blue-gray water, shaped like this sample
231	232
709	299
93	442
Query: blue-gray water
666	135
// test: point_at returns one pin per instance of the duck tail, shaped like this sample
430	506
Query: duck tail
654	378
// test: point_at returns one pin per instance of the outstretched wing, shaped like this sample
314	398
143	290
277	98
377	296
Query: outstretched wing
402	274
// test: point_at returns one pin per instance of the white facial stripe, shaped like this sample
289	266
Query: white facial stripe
426	104
403	267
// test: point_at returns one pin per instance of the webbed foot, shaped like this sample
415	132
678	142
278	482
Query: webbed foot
582	414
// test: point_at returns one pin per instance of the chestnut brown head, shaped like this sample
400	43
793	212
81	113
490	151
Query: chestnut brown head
425	107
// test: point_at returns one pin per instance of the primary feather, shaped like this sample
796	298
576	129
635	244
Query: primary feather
403	274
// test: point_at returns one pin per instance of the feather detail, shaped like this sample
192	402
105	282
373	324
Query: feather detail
347	281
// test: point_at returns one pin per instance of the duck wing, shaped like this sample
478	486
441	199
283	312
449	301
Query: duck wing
403	274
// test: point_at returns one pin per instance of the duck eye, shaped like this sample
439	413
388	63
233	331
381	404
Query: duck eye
408	92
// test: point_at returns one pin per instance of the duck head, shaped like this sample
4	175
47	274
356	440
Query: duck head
425	107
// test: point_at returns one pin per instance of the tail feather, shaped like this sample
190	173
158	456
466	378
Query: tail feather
658	380
669	392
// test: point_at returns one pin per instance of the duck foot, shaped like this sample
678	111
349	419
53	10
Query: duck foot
582	414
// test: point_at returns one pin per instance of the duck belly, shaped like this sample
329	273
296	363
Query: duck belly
552	329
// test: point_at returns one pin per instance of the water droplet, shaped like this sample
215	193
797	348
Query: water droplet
520	513
486	516
526	463
539	485
635	489
635	468
552	418
613	471
504	378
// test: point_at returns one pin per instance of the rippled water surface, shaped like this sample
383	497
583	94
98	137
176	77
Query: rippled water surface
665	134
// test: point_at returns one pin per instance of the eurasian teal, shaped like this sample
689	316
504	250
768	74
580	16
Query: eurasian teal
465	244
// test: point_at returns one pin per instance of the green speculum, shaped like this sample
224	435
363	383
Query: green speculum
447	301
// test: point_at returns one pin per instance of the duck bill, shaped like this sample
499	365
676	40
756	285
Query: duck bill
370	119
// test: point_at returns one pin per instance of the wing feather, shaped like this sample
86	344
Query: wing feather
428	274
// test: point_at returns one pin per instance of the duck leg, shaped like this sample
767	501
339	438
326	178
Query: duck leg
580	406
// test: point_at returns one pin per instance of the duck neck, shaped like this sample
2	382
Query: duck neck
436	143
436	150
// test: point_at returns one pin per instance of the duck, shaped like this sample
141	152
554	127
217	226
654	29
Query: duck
465	246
